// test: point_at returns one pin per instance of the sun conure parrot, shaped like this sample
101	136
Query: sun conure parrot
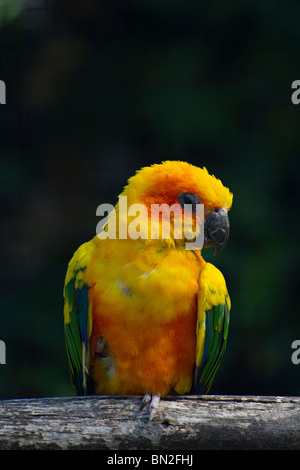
148	316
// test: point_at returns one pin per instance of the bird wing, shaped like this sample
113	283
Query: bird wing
212	327
78	318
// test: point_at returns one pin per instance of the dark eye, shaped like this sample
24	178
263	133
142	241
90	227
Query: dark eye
189	198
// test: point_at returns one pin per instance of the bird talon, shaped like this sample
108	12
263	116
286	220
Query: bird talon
146	400
152	400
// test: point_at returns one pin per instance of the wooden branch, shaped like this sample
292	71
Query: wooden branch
181	423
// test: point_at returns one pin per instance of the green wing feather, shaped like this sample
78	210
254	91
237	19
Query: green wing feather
212	329
217	322
77	319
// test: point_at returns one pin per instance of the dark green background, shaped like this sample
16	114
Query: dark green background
97	89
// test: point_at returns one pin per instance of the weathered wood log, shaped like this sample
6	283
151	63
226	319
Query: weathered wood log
181	423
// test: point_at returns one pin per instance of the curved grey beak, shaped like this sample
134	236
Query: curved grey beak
216	229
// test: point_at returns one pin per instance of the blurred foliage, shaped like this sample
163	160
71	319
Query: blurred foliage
9	9
97	89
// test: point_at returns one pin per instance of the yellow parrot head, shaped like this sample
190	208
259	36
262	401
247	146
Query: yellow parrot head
177	184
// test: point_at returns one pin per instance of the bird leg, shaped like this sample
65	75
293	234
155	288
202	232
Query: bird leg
151	399
102	348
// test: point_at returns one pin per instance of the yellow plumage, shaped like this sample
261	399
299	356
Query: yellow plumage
142	307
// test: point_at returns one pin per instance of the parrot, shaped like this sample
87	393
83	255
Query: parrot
145	315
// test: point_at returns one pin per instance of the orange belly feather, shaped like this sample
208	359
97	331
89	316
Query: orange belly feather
146	358
149	324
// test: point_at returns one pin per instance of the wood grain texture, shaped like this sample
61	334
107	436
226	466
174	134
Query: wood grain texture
181	423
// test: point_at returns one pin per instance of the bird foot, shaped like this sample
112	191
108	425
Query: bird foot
151	399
